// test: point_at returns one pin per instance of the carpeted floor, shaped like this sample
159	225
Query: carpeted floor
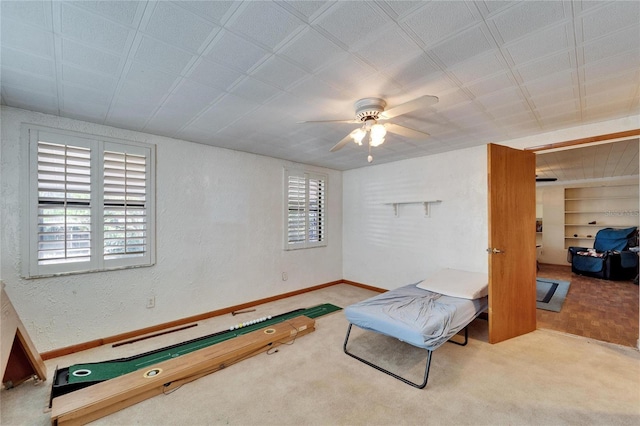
542	378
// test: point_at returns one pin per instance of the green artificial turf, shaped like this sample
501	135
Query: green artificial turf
106	370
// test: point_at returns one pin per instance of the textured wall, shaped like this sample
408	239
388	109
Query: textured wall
383	250
219	241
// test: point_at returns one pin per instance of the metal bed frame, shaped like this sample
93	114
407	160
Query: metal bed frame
402	379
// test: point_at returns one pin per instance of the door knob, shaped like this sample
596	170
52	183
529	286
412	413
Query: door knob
494	251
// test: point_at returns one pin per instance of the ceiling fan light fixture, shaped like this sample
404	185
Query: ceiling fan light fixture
376	141
378	132
357	135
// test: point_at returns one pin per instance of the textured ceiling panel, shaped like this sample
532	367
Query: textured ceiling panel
347	72
613	44
91	29
28	99
617	64
414	71
491	84
527	17
90	58
541	68
252	89
599	22
22	36
75	93
179	27
351	22
615	159
266	23
478	67
463	46
311	51
34	83
244	56
387	48
213	74
162	55
83	78
243	74
34	12
123	12
214	11
279	72
438	20
398	9
539	45
85	111
308	9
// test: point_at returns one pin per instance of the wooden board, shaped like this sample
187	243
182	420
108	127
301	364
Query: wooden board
107	397
19	358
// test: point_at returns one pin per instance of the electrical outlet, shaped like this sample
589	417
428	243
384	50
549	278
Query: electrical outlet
285	276
151	302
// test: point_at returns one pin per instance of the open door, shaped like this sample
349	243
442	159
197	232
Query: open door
512	242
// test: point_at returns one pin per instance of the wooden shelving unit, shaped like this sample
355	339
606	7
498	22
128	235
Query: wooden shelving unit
607	206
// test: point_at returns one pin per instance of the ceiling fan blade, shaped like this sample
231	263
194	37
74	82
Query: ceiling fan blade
342	143
421	102
405	131
351	121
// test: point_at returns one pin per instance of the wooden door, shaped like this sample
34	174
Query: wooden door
512	242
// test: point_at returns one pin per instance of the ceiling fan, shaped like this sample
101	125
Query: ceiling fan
545	179
371	110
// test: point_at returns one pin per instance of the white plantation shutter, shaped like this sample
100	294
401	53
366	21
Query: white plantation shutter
316	203
305	205
90	204
296	209
124	209
64	204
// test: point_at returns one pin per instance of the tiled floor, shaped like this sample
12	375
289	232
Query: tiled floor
598	309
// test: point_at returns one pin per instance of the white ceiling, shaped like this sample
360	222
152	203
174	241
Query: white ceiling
598	161
241	74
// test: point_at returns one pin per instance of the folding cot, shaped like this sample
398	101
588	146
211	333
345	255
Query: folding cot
425	314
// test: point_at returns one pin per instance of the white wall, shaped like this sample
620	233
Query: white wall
552	250
219	241
386	251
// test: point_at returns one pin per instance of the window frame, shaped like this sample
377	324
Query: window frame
31	136
307	242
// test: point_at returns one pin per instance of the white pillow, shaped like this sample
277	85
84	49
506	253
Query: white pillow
456	283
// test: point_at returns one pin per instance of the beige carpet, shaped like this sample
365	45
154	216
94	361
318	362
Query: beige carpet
542	378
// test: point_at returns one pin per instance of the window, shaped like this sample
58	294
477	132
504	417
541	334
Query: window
306	199
90	203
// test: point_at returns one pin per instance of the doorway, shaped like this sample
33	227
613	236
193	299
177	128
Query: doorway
598	309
